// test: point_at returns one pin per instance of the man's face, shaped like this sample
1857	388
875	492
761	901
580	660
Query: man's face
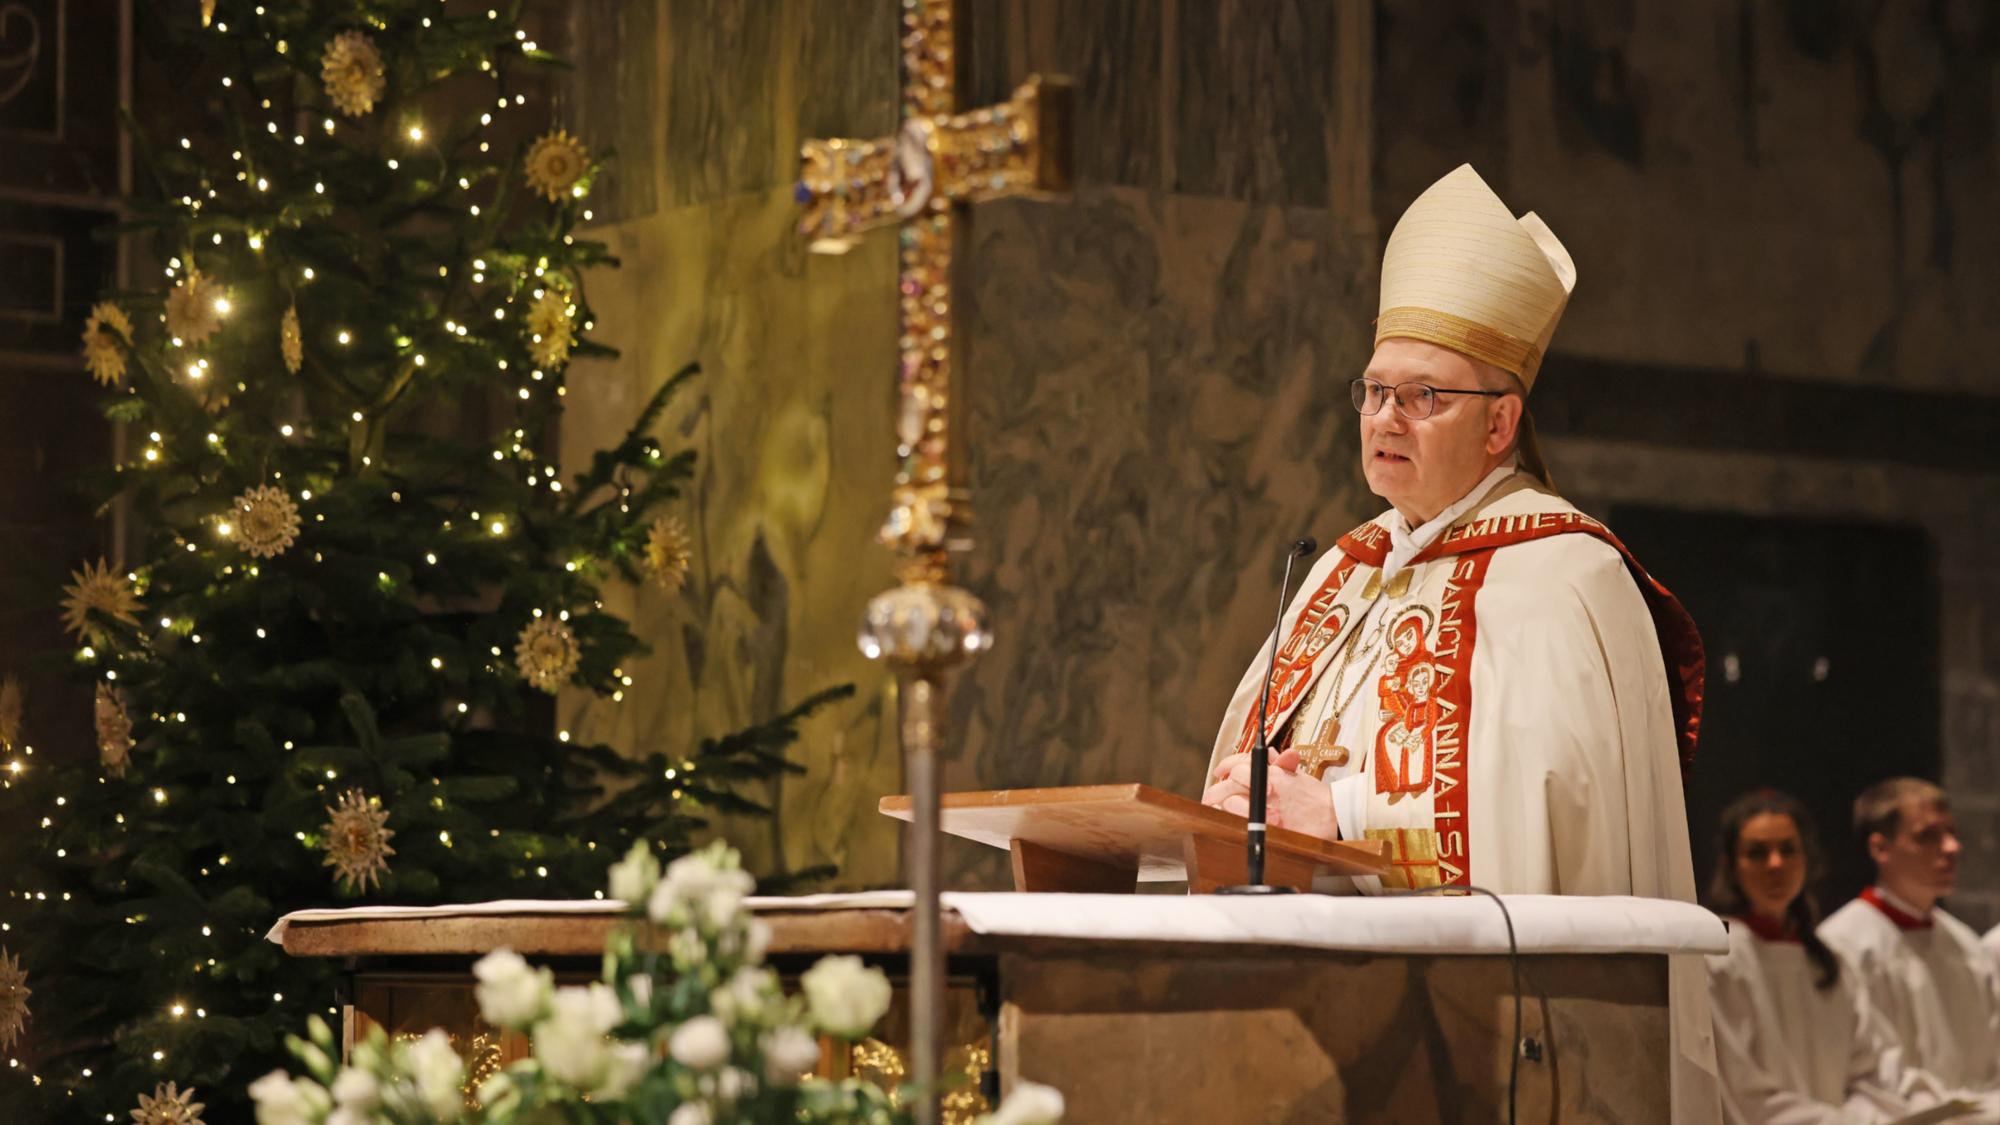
1424	465
1923	853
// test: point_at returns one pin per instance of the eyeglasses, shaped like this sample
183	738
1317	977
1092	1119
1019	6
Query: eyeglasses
1414	400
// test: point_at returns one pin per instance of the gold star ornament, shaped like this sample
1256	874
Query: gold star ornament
14	993
556	164
195	308
291	342
351	70
267	521
547	654
95	593
669	552
105	337
168	1105
551	327
114	730
357	840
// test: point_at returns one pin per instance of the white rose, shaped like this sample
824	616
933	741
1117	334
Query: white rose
698	883
356	1090
570	1043
685	883
845	996
1029	1104
758	942
732	1084
283	1100
691	1113
633	878
510	993
627	1065
641	985
498	1095
789	1054
686	948
439	1073
744	997
722	903
664	905
345	1116
701	1043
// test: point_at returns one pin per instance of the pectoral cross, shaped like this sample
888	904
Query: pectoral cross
923	180
1323	750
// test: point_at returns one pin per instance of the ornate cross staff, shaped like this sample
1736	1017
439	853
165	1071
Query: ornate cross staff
922	180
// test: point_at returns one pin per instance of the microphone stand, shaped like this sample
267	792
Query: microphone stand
1260	755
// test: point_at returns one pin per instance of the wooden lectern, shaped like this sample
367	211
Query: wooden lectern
1110	838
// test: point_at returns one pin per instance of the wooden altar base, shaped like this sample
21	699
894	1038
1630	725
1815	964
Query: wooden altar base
1154	1031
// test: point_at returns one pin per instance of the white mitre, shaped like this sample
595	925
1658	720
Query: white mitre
1462	272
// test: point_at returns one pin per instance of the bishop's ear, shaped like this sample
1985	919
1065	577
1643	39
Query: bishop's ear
1503	422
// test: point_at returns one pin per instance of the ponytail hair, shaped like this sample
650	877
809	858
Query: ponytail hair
1726	897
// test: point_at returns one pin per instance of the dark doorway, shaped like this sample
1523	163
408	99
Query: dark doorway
1822	642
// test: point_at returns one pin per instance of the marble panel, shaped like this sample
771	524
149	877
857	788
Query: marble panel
1788	189
1158	405
1112	49
1338	1039
722	67
614	101
1254	100
790	421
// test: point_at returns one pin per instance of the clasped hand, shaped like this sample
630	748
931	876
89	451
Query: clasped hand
1291	799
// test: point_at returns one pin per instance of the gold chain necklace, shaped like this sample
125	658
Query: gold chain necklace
1323	751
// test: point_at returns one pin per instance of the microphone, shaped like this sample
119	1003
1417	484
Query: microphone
1260	764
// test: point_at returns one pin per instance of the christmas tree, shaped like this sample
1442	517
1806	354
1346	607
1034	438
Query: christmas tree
326	673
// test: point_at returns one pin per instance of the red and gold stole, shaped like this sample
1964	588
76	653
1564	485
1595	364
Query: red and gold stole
1420	755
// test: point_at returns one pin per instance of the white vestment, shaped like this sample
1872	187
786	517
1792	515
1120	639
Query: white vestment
1935	985
1566	776
1792	1053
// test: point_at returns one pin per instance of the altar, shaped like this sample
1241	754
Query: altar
1166	1008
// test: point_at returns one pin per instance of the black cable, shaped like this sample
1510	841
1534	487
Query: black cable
1513	960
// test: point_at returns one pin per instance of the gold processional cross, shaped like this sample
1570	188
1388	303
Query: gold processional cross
922	181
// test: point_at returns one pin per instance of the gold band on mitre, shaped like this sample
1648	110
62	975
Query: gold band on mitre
1489	345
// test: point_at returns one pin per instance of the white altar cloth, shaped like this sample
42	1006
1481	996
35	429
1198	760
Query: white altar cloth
1425	924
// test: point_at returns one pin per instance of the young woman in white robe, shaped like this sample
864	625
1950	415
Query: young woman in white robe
1796	1039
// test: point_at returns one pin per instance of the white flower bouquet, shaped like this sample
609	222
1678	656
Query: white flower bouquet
686	1027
